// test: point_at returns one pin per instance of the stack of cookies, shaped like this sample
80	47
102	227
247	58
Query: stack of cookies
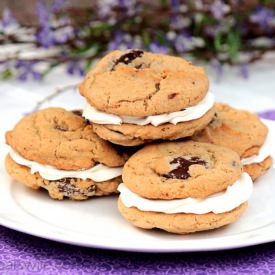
193	167
57	150
137	97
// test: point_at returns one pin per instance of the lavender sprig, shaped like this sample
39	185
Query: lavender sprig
219	32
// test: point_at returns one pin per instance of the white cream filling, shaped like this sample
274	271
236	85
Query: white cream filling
221	202
263	153
187	114
97	173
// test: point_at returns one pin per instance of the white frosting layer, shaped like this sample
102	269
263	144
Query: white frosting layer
221	202
187	114
263	153
97	173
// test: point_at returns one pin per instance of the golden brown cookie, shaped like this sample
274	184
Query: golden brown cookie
73	188
57	150
175	170
136	83
255	170
239	130
179	223
60	138
130	134
183	187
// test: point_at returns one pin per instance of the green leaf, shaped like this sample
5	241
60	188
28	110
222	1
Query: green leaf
164	3
146	39
218	41
6	74
87	65
233	42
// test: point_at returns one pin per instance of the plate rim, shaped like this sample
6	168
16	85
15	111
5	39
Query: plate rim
53	236
234	245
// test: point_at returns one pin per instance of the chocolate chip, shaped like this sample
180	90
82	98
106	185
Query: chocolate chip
140	66
60	128
181	171
214	119
128	58
77	112
157	86
171	96
67	187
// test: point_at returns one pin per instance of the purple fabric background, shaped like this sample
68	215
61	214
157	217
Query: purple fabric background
24	254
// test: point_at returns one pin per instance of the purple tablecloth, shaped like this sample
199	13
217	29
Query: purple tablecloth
24	254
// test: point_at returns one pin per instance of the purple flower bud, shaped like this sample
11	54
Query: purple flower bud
218	9
182	42
57	5
44	36
244	71
75	68
156	47
22	76
174	5
62	35
123	41
36	75
26	69
263	17
105	7
7	18
43	13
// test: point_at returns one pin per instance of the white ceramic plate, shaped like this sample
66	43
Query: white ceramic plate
97	222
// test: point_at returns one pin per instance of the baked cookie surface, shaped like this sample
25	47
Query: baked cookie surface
62	139
239	130
255	170
137	83
73	188
175	170
180	223
131	134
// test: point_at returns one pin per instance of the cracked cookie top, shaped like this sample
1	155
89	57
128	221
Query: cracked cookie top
62	139
178	170
137	83
239	130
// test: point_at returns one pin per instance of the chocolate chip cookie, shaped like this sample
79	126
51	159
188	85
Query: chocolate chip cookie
137	83
174	170
241	131
183	187
57	150
134	97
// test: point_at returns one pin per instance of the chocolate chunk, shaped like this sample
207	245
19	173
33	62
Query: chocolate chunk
67	187
171	96
60	128
77	112
215	120
128	58
181	172
157	86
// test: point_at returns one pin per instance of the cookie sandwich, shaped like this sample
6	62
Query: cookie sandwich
183	187
244	133
57	150
134	97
